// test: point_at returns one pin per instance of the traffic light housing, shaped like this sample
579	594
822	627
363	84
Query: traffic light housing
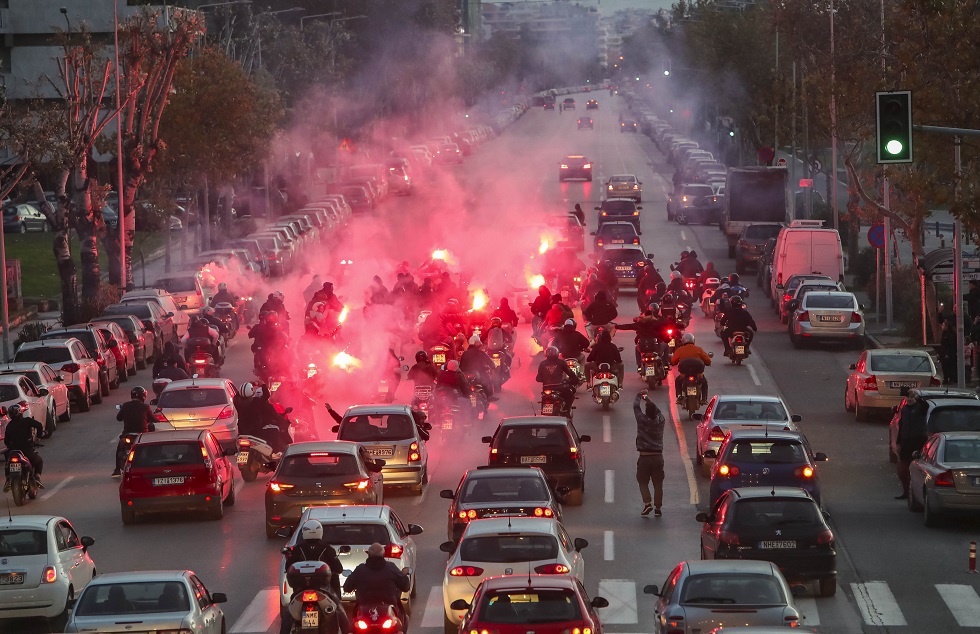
894	113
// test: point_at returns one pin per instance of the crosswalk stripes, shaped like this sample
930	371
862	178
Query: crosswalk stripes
808	608
877	604
434	609
621	594
962	601
260	613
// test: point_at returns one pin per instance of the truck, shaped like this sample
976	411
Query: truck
754	195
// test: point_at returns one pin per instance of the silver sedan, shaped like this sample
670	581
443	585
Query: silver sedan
945	476
827	315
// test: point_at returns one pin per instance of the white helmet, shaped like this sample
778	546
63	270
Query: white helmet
312	530
687	338
222	287
675	275
247	390
475	341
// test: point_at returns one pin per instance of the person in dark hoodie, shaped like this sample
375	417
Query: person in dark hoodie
601	313
650	446
378	580
170	354
506	313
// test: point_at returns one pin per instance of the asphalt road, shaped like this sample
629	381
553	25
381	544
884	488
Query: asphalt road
895	575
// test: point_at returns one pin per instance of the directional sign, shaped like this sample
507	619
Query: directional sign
948	277
766	154
876	236
781	163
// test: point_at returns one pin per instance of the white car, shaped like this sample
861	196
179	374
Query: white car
726	412
164	300
503	546
70	357
351	530
43	375
17	389
44	564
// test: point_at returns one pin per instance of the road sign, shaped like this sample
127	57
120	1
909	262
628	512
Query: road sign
766	154
346	146
968	276
876	236
781	163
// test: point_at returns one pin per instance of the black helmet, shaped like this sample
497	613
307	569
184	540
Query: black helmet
654	308
733	278
138	393
421	357
14	411
737	301
551	353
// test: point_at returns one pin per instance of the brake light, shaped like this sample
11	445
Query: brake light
15	459
587	166
574	453
552	569
870	384
636	213
279	487
934	382
23	406
361	624
466	571
543	512
226	413
393	551
717	434
729	538
244	442
779	279
467	515
825	537
728	471
683	199
200	360
160	417
414	455
805	472
360	485
640	263
669	332
599	242
804	316
49	575
71	368
944	479
310	595
855	318
388	623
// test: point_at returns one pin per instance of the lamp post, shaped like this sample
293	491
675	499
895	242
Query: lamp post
318	15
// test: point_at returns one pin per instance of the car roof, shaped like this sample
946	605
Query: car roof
761	398
771	492
360	513
532	421
356	410
764	434
957	435
497	525
170	435
105	578
954	402
943	392
830	294
500	472
752	566
516	582
44	343
182	383
335	446
30	521
21	366
9	379
144	292
619	199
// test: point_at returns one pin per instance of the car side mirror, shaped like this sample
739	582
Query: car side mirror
596	208
796	418
487	439
335	428
71	602
580	544
219	597
651	589
344	550
118	407
780	287
697	416
711	453
826	514
639	208
169	315
820	457
853	366
701	517
87	542
414	529
599	602
287	410
460	604
447	494
585	438
447	547
285	532
916	455
649	256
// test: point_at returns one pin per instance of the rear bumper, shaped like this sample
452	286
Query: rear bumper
403	475
171	503
874	400
851	331
954	501
46	600
287	511
795	567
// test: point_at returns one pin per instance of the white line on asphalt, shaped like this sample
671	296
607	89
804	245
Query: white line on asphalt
877	603
434	610
609	485
418	501
260	613
606	428
962	601
621	594
608	549
692	483
57	488
683	236
808	608
754	374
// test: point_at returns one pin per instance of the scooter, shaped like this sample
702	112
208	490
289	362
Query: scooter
226	313
21	480
652	368
576	368
691	392
740	347
311	607
479	400
439	353
377	618
203	365
501	368
605	386
255	456
552	403
421	397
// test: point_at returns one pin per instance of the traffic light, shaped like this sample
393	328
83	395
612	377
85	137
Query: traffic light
894	111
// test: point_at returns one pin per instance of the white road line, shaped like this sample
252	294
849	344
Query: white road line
608	548
260	613
434	613
962	601
609	486
621	594
57	488
418	501
606	428
808	608
877	604
692	483
754	374
683	236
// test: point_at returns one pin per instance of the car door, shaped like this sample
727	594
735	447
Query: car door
574	557
73	557
37	404
704	425
408	544
221	464
210	614
667	593
924	467
711	528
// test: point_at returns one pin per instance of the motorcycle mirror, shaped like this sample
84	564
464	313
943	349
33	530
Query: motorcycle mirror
287	410
284	532
344	550
711	354
701	517
447	547
404	368
194	376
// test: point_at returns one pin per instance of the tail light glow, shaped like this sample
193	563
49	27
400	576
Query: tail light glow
944	479
805	472
717	434
728	471
466	571
360	485
49	575
394	551
467	515
310	595
361	624
226	413
825	537
543	512
855	318
279	487
728	538
870	384
553	569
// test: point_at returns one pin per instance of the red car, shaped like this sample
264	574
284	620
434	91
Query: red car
548	604
180	470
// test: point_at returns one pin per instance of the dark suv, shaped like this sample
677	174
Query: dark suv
548	442
97	346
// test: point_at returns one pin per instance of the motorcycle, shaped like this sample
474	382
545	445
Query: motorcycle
552	403
447	408
21	480
605	386
739	343
708	306
311	606
576	367
652	368
439	353
692	393
203	365
421	397
159	385
227	314
255	456
377	618
479	399
501	368
196	346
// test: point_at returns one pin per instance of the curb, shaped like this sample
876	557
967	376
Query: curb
22	316
873	341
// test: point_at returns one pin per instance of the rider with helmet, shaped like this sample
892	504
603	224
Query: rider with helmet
676	285
311	547
736	319
137	418
505	313
21	434
172	371
689	267
450	378
554	371
171	354
650	332
424	372
690	360
275	303
570	342
378	580
604	351
477	362
223	296
601	313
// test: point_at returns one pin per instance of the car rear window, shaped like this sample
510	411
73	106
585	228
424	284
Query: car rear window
776	512
133	598
698	190
900	363
9	392
167	454
355	534
10	211
537	439
189	398
125	324
516	489
619	207
766	452
830	301
729	589
318	464
376	427
22	542
141	310
749	410
809	288
530	606
622	179
48	354
177	284
617	231
502	549
623	256
762	232
954	419
87	337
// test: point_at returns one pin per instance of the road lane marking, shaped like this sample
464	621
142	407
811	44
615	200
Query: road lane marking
621	594
692	483
808	608
606	428
260	613
754	375
434	613
683	236
877	604
608	548
421	498
962	601
609	485
57	488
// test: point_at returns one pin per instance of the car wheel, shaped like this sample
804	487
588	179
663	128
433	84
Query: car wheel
929	515
828	586
230	501
64	418
50	423
912	503
848	404
23	227
705	469
128	516
122	377
796	340
141	361
861	414
218	511
132	369
97	396
85	400
105	385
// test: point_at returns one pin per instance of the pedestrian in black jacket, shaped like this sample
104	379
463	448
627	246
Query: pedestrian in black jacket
650	445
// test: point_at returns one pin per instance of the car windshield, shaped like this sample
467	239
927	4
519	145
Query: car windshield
23	542
48	354
619	207
830	301
766	452
623	256
376	427
167	454
749	410
527	439
190	398
177	284
732	589
954	419
773	512
318	464
698	190
503	549
900	363
762	232
133	598
511	489
355	534
530	607
617	231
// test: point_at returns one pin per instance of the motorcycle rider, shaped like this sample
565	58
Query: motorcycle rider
690	360
604	351
646	288
650	330
591	286
199	328
424	372
376	293
311	547
450	378
268	417
540	307
601	313
378	580
554	371
505	313
311	290
607	275
21	434
275	303
171	355
136	417
689	267
172	371
223	296
676	285
736	285
570	342
267	335
476	361
737	319
326	294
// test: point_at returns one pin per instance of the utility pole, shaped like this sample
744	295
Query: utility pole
833	124
958	269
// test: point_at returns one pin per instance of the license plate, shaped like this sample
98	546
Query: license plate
496	361
617	242
438	358
605	390
739	349
310	372
670	344
901	384
242	457
382	452
534	459
692	391
12	578
14	467
180	299
624	268
311	618
780	543
831	318
548	408
447	424
650	371
159	482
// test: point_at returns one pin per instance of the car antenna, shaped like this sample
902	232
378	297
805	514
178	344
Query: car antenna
10	518
508	517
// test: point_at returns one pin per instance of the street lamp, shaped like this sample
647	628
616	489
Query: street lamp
318	15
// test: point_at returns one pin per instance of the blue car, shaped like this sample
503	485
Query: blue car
757	457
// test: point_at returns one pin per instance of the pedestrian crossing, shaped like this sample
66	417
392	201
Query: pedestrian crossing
857	605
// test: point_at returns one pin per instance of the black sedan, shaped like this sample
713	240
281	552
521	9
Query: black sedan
585	122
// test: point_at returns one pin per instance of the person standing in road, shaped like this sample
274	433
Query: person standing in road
911	437
650	445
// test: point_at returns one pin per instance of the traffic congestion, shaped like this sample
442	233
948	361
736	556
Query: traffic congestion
500	402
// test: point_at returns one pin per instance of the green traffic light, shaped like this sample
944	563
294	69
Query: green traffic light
731	133
894	147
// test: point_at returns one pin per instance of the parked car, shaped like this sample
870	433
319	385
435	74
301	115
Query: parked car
24	217
165	301
98	347
138	336
944	477
43	375
936	399
158	324
881	378
122	350
17	389
186	290
78	368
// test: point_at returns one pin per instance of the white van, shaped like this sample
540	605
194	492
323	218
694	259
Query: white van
805	247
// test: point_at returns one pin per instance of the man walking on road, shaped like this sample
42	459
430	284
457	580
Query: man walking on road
650	445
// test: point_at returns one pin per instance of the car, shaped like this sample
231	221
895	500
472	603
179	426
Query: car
933	396
568	103
525	603
575	166
98	347
358	196
180	470
764	457
389	432
830	315
788	291
881	378
171	600
615	233
550	443
449	153
619	210
624	186
327	473
699	596
591	104
549	104
77	367
277	257
764	274
501	546
164	300
158	323
351	530
44	376
586	122
944	477
628	125
783	525
807	286
627	261
572	231
499	491
17	389
139	336
399	181
199	404
751	242
43	564
124	350
24	217
726	412
254	252
186	290
692	202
